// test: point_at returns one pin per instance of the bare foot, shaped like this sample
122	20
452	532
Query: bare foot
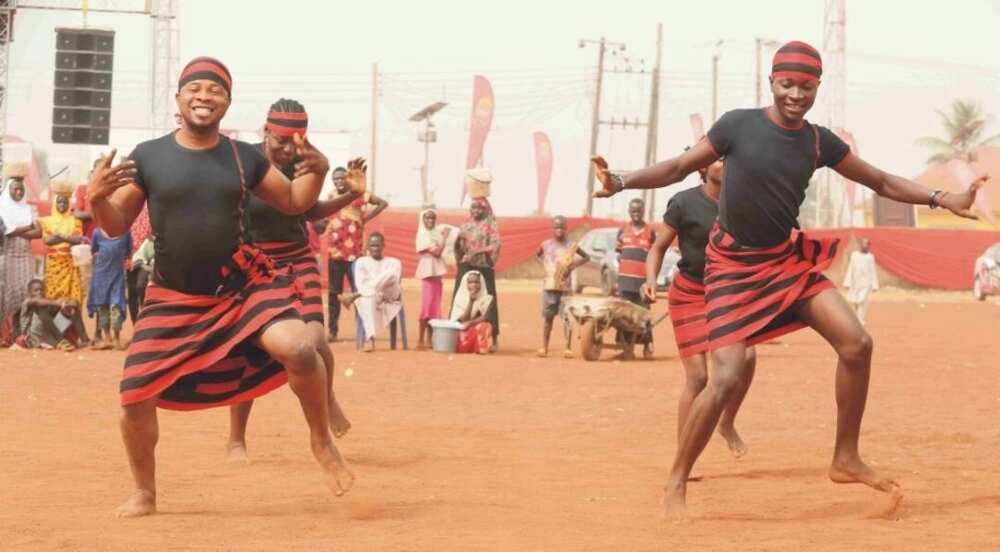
236	453
675	503
542	353
339	424
856	471
141	503
340	478
736	445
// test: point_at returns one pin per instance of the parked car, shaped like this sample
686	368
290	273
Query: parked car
986	275
602	269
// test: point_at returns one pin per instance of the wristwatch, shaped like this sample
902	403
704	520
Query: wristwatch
619	181
933	203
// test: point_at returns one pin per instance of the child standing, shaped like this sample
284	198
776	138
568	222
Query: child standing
559	258
430	245
106	298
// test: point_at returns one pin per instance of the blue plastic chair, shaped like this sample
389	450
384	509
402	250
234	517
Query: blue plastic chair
359	332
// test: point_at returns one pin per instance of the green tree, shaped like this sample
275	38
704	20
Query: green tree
964	126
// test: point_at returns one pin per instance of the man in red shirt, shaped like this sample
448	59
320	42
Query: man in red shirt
634	241
344	233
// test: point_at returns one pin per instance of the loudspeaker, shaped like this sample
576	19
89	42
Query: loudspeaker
82	98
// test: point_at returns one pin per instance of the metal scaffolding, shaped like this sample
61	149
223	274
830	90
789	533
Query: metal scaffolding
165	52
6	20
829	197
165	63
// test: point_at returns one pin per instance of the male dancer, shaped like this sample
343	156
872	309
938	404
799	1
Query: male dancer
763	277
690	217
220	323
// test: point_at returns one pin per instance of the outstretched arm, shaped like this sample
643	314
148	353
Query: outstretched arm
905	190
297	196
658	175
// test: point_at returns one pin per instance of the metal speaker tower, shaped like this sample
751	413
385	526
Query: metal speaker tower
835	100
166	63
6	34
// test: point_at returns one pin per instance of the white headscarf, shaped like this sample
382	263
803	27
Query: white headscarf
480	303
429	239
15	213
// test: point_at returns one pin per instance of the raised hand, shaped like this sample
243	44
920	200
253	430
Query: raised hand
107	178
357	176
311	160
609	185
961	203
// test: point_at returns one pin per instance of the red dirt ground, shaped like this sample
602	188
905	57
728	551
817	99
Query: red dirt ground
512	452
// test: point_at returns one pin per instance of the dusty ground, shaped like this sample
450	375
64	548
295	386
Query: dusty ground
512	452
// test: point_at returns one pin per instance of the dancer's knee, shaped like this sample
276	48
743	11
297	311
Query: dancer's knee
696	381
297	355
725	381
857	350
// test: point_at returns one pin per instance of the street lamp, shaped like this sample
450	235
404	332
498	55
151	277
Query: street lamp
427	135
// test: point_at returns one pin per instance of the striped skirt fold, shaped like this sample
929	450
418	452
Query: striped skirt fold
751	292
305	269
197	351
687	313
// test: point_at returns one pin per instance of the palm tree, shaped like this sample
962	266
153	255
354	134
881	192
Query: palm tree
964	126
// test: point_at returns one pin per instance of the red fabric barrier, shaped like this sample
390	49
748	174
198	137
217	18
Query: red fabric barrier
942	259
520	237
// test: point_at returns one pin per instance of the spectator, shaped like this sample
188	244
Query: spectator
106	299
379	296
345	235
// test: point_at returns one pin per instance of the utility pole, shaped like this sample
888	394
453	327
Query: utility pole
756	102
373	158
715	83
654	116
759	43
595	121
835	94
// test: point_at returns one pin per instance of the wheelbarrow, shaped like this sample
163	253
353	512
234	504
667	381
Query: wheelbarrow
595	315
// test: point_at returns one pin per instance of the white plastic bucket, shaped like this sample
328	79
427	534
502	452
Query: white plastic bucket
444	338
82	255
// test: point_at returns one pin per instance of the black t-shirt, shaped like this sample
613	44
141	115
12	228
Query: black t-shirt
268	224
193	198
692	214
767	170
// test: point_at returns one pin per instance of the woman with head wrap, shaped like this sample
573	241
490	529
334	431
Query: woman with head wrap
470	308
763	276
285	239
477	248
61	231
432	246
16	262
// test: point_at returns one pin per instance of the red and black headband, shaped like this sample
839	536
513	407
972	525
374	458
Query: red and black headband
207	68
281	123
797	60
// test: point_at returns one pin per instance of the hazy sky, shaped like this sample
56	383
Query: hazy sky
905	59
